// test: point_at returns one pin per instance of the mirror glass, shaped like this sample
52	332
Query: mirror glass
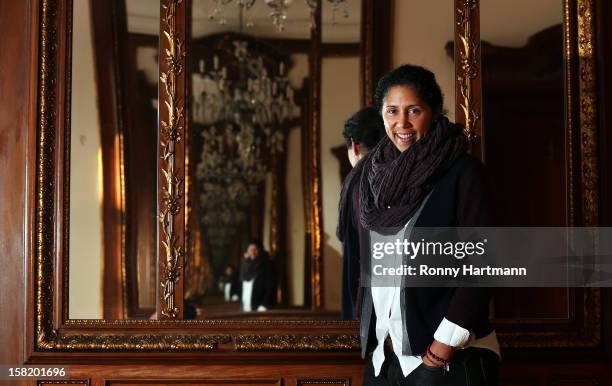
113	153
424	35
249	74
247	154
340	98
523	104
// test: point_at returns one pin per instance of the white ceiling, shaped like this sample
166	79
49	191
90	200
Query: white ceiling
143	17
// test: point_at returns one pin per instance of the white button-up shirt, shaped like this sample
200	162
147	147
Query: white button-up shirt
387	305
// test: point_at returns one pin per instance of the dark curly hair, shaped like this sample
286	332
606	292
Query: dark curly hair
365	127
421	79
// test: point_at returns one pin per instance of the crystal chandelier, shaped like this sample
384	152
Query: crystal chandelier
242	112
278	10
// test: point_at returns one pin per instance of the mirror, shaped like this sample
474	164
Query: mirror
425	41
249	96
340	98
248	150
523	100
59	194
522	62
113	148
247	169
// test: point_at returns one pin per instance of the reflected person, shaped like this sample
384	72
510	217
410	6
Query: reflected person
362	131
229	285
420	175
257	279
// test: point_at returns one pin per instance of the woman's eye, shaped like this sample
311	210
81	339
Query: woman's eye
414	111
391	111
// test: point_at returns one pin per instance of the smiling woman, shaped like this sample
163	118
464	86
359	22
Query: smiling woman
421	176
407	117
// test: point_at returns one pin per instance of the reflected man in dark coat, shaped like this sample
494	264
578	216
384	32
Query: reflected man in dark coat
257	278
362	132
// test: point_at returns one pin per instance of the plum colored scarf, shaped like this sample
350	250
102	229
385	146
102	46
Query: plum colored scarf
393	183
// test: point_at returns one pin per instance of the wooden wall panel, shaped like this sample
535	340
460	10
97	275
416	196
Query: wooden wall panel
212	382
18	74
17	87
235	374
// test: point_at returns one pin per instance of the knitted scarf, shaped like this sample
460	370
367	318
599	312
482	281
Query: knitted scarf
393	183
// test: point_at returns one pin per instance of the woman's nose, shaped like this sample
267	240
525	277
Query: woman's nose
405	120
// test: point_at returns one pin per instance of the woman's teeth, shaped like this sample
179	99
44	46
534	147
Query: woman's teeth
405	137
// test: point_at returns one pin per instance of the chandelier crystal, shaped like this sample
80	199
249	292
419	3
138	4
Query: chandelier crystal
278	10
242	111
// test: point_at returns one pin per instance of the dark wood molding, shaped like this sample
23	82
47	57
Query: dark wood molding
18	87
313	143
376	42
140	172
604	75
106	21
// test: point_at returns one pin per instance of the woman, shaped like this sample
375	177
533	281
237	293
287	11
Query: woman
421	176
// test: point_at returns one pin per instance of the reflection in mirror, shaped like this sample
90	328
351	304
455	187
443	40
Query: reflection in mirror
340	98
523	103
113	154
249	92
424	40
524	129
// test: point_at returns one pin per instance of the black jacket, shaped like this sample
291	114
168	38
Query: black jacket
264	286
459	198
350	262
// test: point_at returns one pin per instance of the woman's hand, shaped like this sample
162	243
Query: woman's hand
439	350
429	363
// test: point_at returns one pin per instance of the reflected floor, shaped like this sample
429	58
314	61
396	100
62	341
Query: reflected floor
217	308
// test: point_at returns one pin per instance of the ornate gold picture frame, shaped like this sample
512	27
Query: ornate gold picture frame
50	331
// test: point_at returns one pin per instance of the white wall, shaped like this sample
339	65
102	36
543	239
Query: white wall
85	279
296	222
339	100
421	30
511	23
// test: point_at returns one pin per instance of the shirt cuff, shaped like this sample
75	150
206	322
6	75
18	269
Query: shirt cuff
452	334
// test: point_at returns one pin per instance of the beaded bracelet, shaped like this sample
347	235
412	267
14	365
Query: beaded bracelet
437	358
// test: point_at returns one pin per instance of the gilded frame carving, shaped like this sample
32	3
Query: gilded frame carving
52	332
467	68
171	204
